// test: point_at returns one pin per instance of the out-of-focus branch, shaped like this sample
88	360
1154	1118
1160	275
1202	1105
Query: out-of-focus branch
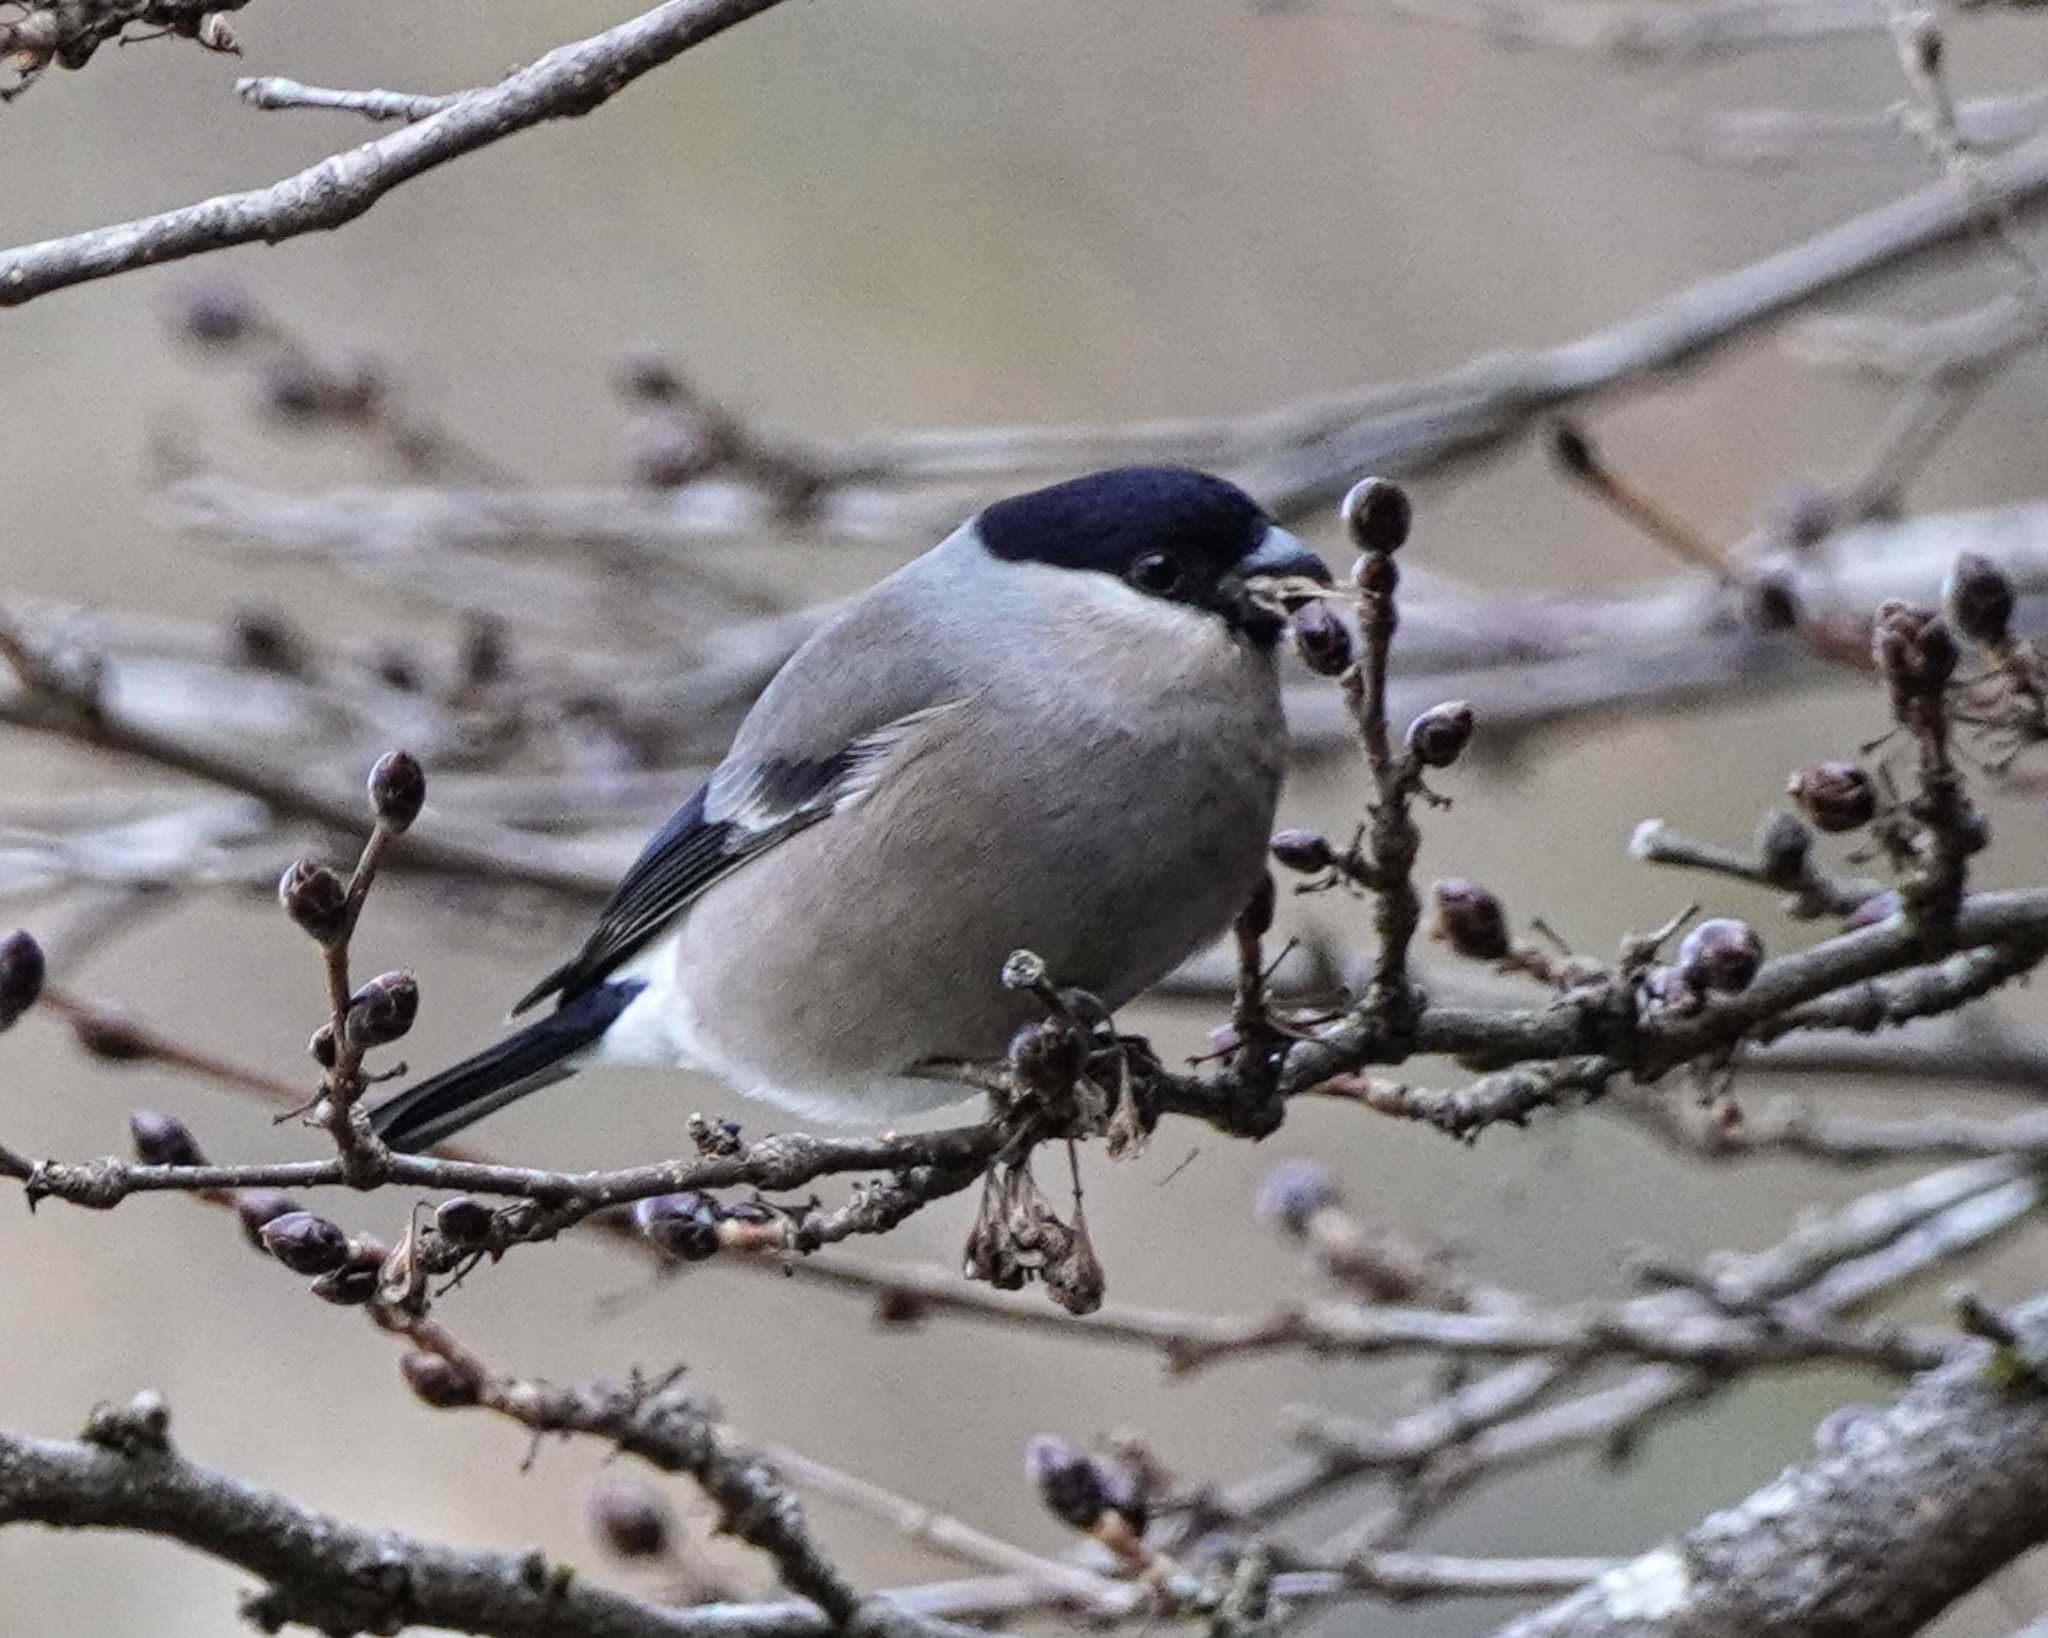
322	1573
568	81
1845	1543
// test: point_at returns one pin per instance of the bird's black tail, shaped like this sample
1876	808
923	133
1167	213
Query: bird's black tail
534	1057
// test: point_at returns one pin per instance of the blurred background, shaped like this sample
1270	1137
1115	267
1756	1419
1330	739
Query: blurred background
895	214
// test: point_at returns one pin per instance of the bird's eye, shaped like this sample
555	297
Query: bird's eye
1156	573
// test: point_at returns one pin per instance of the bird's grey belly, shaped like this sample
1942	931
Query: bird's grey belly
875	940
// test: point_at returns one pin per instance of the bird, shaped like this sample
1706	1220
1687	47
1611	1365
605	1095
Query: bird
1059	729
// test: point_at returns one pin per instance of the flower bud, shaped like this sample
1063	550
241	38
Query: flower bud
464	1220
1772	604
1879	907
1914	649
1321	639
482	659
305	1242
646	375
398	789
631	1519
1293	1192
1377	514
1068	1481
356	1280
1836	796
315	898
21	976
382	1010
1303	850
1978	600
163	1140
214	311
1783	845
684	1225
1572	449
259	1208
1471	920
321	1046
1720	955
266	640
439	1382
1438	737
110	1036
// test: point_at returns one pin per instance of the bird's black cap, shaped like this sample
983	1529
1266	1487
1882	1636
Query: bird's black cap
1108	520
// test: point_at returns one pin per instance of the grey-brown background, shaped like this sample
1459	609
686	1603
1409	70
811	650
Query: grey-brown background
864	215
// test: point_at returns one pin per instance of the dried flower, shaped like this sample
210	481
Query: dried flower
305	1242
163	1140
1303	850
1836	796
1721	955
1046	1056
1914	649
684	1225
1293	1192
1978	600
464	1220
1321	639
631	1519
1074	1275
1471	920
21	976
398	789
382	1010
438	1381
315	898
1377	514
1438	737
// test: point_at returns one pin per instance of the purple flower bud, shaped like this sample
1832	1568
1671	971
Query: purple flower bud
684	1225
110	1036
439	1382
1438	737
321	1046
464	1220
315	898
305	1243
398	789
355	1281
21	976
1067	1480
258	1208
1378	515
382	1010
1783	844
1879	907
1720	955
1293	1192
163	1140
631	1519
1470	920
1321	639
215	312
1303	850
1836	796
1978	600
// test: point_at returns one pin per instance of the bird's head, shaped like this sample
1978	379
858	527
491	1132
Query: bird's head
1164	532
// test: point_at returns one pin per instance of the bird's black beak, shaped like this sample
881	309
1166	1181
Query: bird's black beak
1281	556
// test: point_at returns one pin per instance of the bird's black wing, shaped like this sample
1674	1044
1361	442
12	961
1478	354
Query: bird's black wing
743	810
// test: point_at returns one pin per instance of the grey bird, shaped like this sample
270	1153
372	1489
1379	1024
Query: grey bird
1059	729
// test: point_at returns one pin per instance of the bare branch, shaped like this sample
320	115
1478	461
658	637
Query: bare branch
568	81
